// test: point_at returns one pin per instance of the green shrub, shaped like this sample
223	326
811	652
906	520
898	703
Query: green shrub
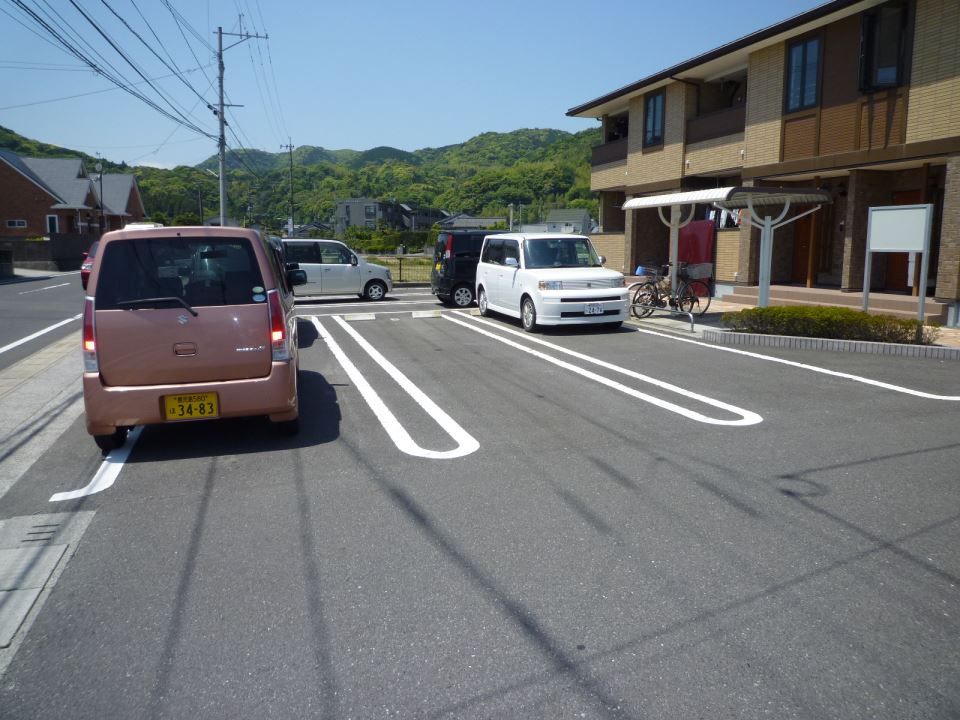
835	323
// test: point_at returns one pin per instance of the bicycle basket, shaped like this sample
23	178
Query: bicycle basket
648	270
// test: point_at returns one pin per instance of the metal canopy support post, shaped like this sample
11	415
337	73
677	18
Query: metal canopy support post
675	223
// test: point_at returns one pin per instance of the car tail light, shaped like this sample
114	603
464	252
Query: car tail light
90	363
278	330
449	254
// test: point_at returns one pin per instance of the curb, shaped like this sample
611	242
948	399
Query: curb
935	352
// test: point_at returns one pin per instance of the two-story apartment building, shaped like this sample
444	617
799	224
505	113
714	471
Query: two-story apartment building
857	97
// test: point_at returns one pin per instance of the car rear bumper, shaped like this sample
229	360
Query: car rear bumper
108	408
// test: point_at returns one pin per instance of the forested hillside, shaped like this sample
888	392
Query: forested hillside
541	169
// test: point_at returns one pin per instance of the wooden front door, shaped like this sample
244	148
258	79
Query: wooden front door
802	237
897	278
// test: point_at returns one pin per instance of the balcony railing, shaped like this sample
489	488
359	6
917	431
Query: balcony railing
609	152
717	124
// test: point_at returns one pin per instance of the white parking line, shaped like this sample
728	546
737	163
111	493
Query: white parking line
358	303
107	474
811	368
466	443
38	333
746	416
49	287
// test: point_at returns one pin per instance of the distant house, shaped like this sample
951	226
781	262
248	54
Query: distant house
314	229
418	217
575	220
51	196
367	213
463	221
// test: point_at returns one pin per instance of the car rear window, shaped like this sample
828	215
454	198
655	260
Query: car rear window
199	271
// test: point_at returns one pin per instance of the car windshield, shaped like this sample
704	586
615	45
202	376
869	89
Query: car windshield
198	271
559	252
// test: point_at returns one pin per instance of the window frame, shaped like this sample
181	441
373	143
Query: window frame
869	27
648	100
16	223
788	74
53	228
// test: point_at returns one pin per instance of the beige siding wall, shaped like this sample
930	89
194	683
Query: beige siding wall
935	76
711	155
613	247
610	176
764	106
728	255
665	163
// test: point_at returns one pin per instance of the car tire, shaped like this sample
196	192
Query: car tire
114	440
289	428
462	296
528	315
482	302
375	290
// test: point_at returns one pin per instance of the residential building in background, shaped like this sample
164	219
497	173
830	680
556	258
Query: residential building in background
861	99
370	213
573	220
465	221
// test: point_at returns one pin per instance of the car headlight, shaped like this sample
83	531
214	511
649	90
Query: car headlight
550	285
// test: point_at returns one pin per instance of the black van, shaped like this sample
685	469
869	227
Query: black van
454	275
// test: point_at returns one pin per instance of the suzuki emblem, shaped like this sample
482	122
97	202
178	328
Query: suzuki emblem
183	319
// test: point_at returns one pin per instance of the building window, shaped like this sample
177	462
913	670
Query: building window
803	74
16	223
53	224
653	119
883	32
370	211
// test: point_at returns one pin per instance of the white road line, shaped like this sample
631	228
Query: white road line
107	474
746	416
38	333
811	368
466	443
359	303
49	287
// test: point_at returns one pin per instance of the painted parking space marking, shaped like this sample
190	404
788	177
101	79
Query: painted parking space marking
38	333
107	474
466	443
746	417
811	368
49	287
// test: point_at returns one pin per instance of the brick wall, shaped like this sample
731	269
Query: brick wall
865	188
764	105
650	238
610	176
23	200
728	256
935	76
948	267
721	153
613	247
662	163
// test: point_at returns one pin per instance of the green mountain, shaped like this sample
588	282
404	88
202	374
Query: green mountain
538	168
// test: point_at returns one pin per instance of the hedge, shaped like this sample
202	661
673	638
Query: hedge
835	323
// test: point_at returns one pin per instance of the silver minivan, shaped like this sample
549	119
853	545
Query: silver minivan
334	269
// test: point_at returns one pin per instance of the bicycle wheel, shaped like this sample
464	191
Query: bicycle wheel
646	294
685	299
701	293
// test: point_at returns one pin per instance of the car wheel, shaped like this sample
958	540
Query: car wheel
116	439
482	302
289	427
375	290
462	296
528	315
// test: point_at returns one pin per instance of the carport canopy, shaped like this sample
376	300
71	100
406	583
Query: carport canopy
735	198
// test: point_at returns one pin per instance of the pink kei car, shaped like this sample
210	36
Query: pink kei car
188	323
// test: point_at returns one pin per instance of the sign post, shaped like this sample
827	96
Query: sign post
899	228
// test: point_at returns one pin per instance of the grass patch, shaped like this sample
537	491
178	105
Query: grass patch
834	323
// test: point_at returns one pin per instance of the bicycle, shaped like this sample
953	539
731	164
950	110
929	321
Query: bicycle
692	294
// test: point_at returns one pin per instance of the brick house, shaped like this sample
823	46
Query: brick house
42	197
859	98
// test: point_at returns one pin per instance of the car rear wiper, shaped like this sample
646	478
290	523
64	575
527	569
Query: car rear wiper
151	301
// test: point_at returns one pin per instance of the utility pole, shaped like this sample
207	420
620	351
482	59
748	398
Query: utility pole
289	146
222	140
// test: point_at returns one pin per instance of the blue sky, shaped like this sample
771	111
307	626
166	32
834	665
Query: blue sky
347	75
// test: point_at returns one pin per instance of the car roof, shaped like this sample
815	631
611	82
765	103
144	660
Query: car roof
536	236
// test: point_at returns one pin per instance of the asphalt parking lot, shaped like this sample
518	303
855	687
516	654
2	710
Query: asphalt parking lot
479	522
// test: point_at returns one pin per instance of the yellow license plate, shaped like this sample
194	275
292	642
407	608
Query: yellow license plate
194	406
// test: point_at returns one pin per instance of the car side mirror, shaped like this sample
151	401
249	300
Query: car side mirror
511	262
292	266
296	277
602	259
354	260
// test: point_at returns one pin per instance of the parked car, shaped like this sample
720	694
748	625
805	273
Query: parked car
334	269
549	279
188	323
87	263
455	258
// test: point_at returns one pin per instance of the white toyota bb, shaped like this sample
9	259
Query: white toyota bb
549	279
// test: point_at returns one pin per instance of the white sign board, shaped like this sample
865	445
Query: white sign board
898	228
